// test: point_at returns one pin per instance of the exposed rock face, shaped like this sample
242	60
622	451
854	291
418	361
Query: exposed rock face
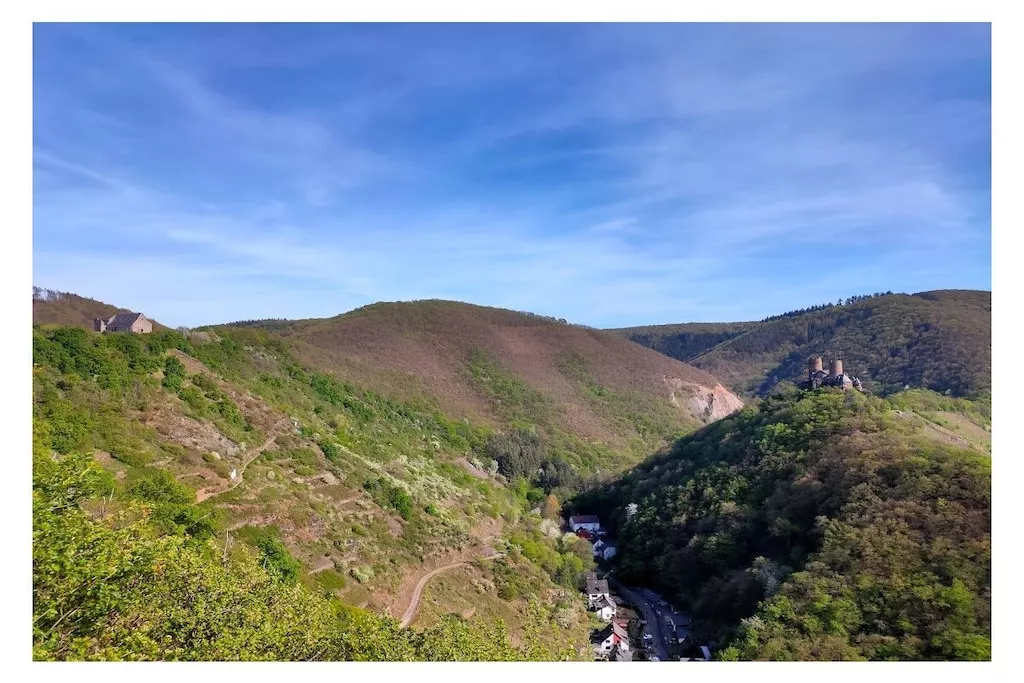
711	403
189	432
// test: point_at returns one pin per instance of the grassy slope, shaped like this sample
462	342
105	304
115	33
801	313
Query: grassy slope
818	526
937	340
364	492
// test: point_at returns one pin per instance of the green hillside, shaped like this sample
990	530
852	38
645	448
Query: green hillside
816	526
937	340
341	499
108	584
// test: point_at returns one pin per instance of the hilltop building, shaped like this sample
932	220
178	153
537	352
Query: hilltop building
817	377
135	323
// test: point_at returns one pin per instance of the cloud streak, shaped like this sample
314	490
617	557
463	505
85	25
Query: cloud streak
611	175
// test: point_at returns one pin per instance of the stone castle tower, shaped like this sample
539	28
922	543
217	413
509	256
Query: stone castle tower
836	377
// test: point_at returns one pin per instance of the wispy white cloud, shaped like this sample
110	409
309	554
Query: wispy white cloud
630	174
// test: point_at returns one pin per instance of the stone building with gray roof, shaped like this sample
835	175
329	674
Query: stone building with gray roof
135	323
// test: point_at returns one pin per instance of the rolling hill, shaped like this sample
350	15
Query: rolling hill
503	368
938	340
684	341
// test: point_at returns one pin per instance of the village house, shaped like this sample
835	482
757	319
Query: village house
596	589
135	323
611	637
605	607
700	654
695	653
604	550
590	523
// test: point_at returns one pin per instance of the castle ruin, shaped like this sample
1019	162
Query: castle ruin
835	377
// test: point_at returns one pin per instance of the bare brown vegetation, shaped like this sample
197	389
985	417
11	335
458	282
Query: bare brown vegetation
418	350
62	308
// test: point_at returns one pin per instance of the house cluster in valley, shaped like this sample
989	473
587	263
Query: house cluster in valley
589	527
658	630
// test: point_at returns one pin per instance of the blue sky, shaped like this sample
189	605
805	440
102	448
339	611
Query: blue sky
609	174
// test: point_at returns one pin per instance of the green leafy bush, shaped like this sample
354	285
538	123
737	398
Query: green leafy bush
174	374
330	450
390	495
277	560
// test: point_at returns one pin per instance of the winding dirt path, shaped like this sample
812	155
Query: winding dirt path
410	613
203	496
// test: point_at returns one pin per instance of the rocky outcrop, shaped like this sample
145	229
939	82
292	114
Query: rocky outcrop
709	403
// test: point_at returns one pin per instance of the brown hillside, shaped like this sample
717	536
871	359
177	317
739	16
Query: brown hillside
63	308
423	350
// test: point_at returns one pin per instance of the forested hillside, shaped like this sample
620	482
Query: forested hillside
816	525
937	340
684	341
217	460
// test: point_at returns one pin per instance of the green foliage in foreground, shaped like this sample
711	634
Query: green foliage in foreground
114	588
814	525
85	381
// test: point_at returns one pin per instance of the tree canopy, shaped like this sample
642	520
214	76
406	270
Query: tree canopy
814	525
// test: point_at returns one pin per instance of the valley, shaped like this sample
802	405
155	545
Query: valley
408	465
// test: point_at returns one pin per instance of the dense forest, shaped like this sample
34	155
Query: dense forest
687	341
814	525
932	340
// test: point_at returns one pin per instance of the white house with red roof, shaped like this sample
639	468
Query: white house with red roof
613	636
589	522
